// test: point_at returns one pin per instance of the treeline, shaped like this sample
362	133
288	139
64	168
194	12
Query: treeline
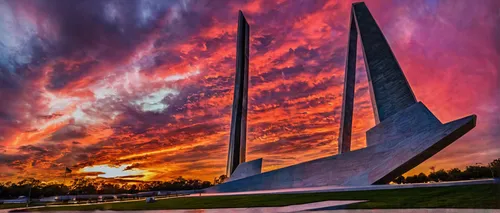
79	186
478	171
39	189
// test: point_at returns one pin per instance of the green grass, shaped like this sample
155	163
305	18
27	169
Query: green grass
476	196
12	205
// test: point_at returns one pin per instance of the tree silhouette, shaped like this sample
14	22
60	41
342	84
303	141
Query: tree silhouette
220	179
495	167
9	190
476	171
399	180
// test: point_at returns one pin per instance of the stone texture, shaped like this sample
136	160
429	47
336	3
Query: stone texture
247	169
403	126
390	91
379	163
237	141
348	96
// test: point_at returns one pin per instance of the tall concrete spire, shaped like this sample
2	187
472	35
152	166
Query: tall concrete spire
348	96
237	141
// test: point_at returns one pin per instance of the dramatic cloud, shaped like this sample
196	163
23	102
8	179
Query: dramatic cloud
142	90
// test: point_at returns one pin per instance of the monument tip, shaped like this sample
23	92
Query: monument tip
240	13
359	2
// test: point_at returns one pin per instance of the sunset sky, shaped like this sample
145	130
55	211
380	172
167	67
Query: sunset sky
142	90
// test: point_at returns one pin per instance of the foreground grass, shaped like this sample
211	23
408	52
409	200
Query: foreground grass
12	205
478	196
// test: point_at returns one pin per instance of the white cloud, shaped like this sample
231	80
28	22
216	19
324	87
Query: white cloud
104	92
153	102
59	103
112	171
111	12
80	117
177	77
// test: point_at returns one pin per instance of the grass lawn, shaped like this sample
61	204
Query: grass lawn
475	196
12	205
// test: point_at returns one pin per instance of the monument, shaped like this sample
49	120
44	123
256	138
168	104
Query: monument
406	132
389	89
237	142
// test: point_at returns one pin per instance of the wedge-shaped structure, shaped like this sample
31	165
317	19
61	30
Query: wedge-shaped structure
246	169
406	134
407	139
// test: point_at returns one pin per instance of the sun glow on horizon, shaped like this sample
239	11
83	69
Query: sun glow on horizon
108	171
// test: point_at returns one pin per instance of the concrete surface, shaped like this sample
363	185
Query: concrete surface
374	164
389	89
356	188
238	134
408	122
345	132
291	208
247	169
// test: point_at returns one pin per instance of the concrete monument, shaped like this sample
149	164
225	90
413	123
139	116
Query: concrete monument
405	135
237	141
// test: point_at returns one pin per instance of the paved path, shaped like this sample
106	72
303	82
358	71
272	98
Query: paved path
86	204
414	211
291	208
298	208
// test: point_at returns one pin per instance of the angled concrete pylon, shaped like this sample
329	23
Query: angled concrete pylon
389	89
406	134
237	141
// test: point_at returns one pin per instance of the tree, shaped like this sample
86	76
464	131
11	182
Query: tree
107	188
412	179
53	189
133	189
442	175
433	177
39	189
205	184
422	178
495	167
399	180
455	174
220	180
476	172
83	186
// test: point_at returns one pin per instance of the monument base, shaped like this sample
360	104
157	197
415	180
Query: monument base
246	169
401	142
